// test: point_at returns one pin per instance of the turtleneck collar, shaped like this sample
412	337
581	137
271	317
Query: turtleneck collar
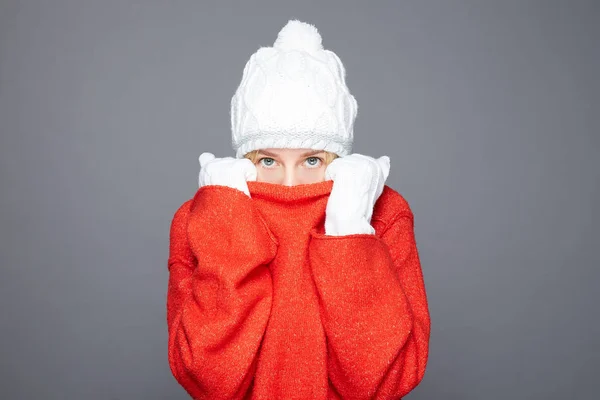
291	210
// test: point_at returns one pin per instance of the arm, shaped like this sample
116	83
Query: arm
374	310
219	292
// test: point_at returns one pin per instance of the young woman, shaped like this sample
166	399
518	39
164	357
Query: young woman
294	272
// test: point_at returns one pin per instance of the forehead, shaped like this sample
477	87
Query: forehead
289	152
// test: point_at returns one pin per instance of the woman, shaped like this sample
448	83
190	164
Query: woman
294	271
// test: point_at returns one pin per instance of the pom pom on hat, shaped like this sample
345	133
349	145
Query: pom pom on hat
297	35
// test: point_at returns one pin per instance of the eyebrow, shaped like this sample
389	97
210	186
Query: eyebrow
309	153
312	153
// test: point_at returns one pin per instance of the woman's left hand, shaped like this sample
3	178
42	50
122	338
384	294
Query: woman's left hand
358	181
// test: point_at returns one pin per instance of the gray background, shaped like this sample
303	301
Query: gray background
489	111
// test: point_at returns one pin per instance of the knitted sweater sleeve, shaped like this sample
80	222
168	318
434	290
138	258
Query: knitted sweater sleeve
374	310
219	292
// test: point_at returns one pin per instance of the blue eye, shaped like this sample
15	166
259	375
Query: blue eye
313	161
267	161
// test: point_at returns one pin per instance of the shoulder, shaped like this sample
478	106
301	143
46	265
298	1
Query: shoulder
390	206
181	214
207	197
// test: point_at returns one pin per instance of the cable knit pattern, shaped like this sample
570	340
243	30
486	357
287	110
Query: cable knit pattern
293	95
261	304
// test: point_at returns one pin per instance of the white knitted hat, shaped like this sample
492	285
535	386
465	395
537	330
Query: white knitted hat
293	95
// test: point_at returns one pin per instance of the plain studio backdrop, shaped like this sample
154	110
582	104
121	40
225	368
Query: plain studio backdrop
489	111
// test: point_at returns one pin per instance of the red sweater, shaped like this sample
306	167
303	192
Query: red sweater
261	304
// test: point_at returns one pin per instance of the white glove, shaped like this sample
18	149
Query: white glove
358	182
227	171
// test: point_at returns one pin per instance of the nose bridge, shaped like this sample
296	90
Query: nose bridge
289	176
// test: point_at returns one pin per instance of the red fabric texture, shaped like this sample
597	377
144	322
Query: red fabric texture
262	305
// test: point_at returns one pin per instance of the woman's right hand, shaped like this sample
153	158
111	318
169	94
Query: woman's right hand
227	171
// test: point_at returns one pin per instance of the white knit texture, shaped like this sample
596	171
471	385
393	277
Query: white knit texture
293	95
227	171
358	181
